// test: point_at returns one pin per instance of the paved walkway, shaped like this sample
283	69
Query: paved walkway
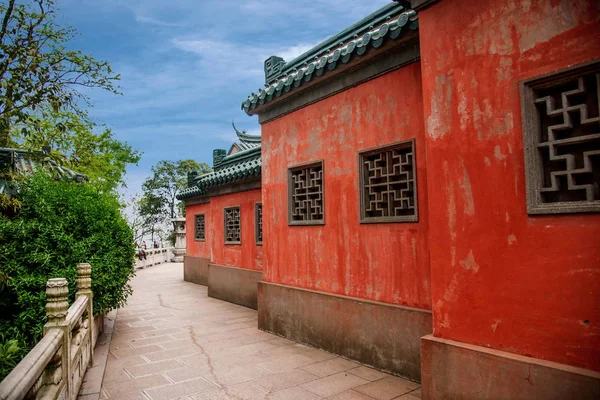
171	341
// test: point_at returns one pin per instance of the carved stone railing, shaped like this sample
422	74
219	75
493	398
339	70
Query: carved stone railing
153	257
55	367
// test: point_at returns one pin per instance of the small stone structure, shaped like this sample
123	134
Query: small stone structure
55	367
179	250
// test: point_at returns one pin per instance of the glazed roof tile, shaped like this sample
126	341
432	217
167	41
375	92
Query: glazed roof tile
388	23
235	167
23	162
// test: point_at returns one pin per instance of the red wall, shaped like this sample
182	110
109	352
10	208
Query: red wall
245	255
196	248
500	278
384	262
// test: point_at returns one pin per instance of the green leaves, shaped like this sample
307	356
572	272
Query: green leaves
36	69
79	144
59	225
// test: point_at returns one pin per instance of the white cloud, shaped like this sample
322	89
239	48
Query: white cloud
153	21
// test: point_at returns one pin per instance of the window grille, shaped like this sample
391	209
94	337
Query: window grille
561	140
388	184
305	195
199	227
232	228
258	224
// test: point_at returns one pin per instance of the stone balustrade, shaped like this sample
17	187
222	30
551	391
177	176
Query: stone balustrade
55	367
153	257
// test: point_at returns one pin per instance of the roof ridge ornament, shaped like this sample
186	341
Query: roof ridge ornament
388	23
245	137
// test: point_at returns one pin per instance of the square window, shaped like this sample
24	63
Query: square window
258	228
232	227
388	184
561	140
305	195
199	227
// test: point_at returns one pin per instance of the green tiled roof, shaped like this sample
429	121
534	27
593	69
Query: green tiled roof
232	168
22	162
388	23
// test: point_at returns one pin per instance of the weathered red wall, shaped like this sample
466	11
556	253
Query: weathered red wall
383	262
248	254
529	285
196	248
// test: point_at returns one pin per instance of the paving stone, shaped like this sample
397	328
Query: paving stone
282	380
367	373
135	351
119	390
329	367
151	340
293	393
226	377
414	395
152	368
319	355
350	395
287	362
186	373
234	360
387	388
178	390
195	347
167	354
334	384
159	332
242	391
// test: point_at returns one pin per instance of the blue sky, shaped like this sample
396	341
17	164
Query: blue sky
187	65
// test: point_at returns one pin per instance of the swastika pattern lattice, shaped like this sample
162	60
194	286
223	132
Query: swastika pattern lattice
562	141
199	224
258	225
388	184
233	231
306	195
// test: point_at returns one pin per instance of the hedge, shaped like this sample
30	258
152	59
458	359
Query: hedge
58	225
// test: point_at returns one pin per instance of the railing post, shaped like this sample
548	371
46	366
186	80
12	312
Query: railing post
84	288
57	307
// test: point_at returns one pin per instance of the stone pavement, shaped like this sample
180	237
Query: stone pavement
171	341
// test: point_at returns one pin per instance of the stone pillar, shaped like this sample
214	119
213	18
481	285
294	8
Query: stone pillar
84	288
57	307
179	250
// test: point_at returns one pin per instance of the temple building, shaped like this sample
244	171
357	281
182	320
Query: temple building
430	184
224	224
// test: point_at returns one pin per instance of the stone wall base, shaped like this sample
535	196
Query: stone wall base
195	270
456	370
235	285
381	335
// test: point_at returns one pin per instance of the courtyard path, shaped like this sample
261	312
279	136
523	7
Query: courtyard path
171	341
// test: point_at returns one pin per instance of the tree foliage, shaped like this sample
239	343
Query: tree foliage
59	225
37	71
167	180
81	145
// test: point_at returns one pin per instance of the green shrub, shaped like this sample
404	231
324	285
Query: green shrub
59	225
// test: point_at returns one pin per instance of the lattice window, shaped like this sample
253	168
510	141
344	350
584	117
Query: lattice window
233	227
199	227
388	184
258	223
305	195
561	136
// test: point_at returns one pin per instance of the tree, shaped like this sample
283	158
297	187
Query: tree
168	179
151	209
82	145
60	223
37	71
